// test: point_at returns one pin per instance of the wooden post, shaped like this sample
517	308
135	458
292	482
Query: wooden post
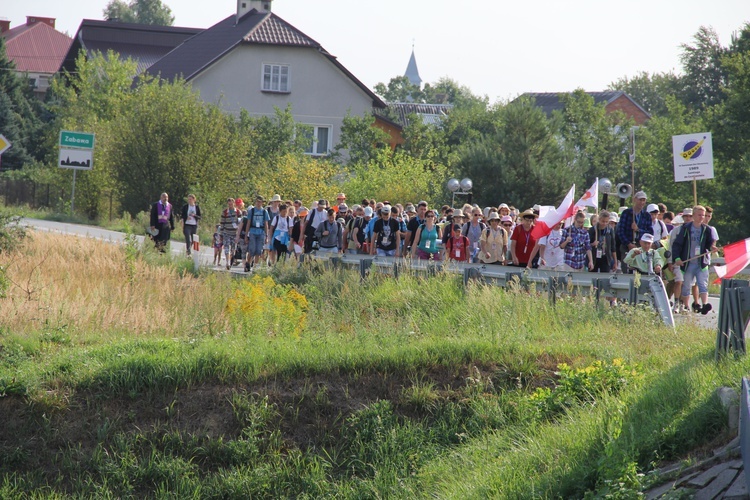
695	192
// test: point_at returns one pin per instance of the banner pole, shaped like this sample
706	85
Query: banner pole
695	192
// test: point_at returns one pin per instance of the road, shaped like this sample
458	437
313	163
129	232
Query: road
206	259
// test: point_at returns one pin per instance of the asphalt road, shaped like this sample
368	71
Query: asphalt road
206	259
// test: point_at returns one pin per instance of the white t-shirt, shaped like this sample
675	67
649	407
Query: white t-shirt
282	224
660	230
191	216
553	254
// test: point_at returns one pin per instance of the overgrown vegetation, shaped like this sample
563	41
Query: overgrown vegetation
123	375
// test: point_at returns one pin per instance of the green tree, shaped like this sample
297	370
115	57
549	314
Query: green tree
704	75
449	91
594	141
651	90
399	89
360	139
169	140
139	11
20	113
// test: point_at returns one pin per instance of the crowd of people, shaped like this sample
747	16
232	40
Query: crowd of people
645	237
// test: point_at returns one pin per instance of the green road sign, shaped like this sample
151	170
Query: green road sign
78	140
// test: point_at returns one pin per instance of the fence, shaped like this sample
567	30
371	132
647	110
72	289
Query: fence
33	194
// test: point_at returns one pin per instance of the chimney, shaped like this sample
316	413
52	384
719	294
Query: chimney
4	25
31	20
245	6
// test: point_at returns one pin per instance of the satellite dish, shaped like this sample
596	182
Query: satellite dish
466	184
453	185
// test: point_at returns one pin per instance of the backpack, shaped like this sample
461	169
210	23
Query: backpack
465	231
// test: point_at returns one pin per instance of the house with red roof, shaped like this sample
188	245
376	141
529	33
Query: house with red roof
36	48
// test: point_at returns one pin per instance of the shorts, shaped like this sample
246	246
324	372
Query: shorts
255	243
677	271
228	243
386	253
421	254
559	267
328	250
701	278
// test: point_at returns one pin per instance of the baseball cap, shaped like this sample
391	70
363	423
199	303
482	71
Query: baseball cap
639	195
687	211
368	211
386	209
648	238
653	207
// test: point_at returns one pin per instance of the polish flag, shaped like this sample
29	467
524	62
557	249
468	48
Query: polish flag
591	197
543	225
737	257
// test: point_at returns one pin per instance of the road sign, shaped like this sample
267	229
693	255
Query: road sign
77	140
693	157
78	159
4	144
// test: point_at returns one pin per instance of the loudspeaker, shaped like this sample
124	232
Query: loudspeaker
624	190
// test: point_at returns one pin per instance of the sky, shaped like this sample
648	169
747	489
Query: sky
498	48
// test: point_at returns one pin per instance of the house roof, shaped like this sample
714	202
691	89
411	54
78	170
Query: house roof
144	43
550	101
429	113
196	54
36	48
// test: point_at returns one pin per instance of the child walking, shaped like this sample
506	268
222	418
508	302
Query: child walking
218	243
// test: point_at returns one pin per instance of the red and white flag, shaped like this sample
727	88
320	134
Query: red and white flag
543	225
591	197
736	256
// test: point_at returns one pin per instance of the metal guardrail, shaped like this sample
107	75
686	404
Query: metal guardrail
632	288
734	312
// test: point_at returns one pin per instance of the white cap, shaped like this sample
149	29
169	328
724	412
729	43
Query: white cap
653	207
368	211
648	238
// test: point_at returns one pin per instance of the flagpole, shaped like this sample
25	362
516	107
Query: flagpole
695	192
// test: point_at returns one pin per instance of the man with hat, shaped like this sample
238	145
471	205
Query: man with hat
311	223
386	237
493	244
522	242
660	229
644	258
577	245
634	223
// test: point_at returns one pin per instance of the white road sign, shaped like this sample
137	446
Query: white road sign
78	159
693	157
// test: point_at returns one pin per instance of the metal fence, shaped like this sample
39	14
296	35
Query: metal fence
631	288
734	312
26	192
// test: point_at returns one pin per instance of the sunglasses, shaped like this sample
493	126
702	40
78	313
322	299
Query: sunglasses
430	216
507	225
528	217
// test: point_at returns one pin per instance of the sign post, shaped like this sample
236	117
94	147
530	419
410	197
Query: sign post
693	159
77	153
5	144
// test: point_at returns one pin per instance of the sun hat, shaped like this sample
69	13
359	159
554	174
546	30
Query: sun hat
457	212
613	217
678	220
648	238
506	218
302	212
528	213
343	207
503	205
341	196
410	209
653	207
495	216
276	197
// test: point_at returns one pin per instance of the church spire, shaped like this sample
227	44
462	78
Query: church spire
412	73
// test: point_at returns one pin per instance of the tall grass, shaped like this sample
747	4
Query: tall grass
123	375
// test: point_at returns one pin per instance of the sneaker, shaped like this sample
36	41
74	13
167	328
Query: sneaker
247	267
228	267
696	307
706	307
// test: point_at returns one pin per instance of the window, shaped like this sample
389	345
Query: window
321	137
276	78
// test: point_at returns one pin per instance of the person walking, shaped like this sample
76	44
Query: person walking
162	221
191	214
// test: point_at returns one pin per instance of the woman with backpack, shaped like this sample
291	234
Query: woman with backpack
493	242
425	245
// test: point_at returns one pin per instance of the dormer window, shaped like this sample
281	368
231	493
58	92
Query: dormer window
276	78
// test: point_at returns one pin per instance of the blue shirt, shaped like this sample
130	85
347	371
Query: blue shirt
625	232
257	218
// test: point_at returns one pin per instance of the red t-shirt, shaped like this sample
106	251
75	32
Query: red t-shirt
524	243
458	248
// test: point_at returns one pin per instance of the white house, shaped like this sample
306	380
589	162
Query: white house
256	61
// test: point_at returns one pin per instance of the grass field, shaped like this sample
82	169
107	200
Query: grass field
122	374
